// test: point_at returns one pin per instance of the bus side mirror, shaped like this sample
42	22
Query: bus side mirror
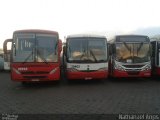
5	45
64	50
109	49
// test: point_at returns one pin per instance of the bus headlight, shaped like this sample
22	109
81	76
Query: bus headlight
16	71
118	67
54	70
146	67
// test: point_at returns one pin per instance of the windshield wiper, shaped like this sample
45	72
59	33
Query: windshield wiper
93	55
129	49
42	58
84	51
31	54
140	46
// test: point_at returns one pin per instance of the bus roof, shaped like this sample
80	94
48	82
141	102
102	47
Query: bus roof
35	31
85	35
117	37
131	35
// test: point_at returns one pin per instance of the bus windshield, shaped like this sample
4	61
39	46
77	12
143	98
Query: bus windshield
128	52
29	47
87	49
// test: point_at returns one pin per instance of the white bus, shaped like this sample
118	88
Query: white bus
86	57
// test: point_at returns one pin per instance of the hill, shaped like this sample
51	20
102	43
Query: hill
150	31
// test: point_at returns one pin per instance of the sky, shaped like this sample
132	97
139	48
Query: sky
77	16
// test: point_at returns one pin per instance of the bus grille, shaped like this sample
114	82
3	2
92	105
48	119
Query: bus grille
32	77
34	72
133	66
88	70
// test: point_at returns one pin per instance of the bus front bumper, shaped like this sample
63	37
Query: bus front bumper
35	77
87	75
120	74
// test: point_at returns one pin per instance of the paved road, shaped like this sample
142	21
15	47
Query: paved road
100	97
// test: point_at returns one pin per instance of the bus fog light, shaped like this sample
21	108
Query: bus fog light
119	67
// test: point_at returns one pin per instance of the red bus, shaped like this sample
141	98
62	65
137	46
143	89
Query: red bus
155	43
86	57
35	55
130	56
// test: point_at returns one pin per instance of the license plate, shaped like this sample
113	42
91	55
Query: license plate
35	80
88	78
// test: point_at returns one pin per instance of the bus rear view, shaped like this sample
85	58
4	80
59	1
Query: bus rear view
35	56
86	57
